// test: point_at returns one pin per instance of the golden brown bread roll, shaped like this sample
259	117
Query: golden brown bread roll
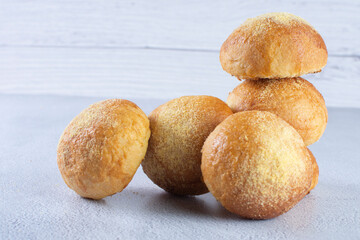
256	165
178	131
295	100
315	177
274	45
102	147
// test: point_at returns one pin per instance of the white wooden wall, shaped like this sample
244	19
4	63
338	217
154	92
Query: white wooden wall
156	49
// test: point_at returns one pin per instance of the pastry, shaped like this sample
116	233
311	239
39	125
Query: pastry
273	45
102	147
315	178
295	100
256	165
178	131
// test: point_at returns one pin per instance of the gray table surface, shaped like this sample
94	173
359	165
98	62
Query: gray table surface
35	203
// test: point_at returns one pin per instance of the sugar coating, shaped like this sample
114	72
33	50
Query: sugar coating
179	129
269	21
256	165
281	18
100	150
295	100
273	45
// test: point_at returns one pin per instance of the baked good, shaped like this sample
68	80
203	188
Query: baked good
178	131
102	147
315	178
295	100
274	45
256	165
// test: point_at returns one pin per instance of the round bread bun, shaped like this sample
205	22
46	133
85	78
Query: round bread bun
295	100
274	45
179	129
315	178
256	165
102	147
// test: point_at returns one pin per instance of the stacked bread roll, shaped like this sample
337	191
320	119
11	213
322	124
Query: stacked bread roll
256	162
250	153
271	52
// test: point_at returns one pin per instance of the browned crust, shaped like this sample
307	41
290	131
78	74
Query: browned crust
275	45
100	150
295	100
315	178
256	165
178	131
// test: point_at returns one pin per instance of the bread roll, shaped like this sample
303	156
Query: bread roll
256	165
315	177
293	99
178	131
274	45
102	147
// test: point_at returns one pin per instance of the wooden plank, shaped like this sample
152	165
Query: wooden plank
165	24
133	73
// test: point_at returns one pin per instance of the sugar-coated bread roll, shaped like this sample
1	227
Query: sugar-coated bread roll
295	100
102	147
315	178
256	165
178	131
274	45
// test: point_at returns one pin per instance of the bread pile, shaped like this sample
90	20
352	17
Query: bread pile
250	153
